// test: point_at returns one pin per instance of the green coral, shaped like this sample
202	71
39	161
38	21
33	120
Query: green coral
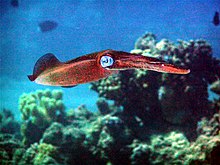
44	151
140	153
41	107
174	148
39	110
170	148
38	154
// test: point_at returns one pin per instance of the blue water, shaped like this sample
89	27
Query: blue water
88	26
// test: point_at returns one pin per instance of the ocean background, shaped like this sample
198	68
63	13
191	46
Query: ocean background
88	26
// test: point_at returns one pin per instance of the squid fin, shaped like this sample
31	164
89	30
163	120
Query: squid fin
46	61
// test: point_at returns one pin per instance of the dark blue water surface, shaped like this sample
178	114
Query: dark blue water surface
87	26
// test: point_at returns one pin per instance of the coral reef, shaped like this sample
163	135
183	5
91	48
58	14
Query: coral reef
174	148
38	111
140	153
170	148
37	154
70	143
209	127
204	150
113	139
143	117
8	145
8	124
179	101
92	138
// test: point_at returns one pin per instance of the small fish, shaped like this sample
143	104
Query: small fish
48	70
47	26
216	20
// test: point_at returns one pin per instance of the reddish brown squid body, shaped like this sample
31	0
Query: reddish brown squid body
48	70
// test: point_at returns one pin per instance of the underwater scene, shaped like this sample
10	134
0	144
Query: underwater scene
109	82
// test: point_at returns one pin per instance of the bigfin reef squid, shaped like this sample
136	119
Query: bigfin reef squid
48	70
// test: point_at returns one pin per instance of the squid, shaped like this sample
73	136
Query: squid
48	70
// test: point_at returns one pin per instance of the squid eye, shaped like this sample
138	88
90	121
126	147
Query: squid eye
106	61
